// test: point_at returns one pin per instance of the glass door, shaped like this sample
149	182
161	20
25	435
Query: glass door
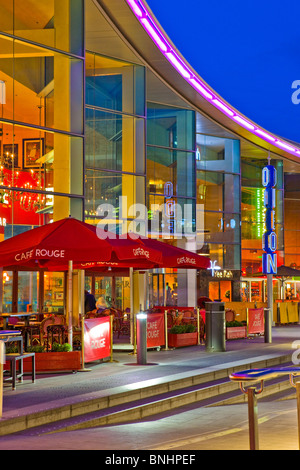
122	293
103	291
54	292
7	291
28	289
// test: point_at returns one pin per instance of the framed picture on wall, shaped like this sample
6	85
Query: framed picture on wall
33	149
10	153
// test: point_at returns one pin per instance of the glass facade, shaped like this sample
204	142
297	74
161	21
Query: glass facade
84	132
41	131
115	141
41	137
218	197
171	169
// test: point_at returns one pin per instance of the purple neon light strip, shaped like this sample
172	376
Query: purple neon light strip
141	13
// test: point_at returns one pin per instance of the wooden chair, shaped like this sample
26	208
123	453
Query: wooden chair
44	332
189	317
229	315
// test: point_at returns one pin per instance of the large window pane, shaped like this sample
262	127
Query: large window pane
28	288
54	23
170	166
114	142
23	210
221	228
218	191
120	191
170	127
218	154
223	256
40	87
54	292
39	160
115	85
7	291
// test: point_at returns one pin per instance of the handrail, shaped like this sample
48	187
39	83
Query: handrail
252	377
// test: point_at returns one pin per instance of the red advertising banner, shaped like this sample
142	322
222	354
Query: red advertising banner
155	330
255	321
96	339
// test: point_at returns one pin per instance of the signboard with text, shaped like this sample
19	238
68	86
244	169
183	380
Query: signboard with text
255	321
269	245
155	330
96	339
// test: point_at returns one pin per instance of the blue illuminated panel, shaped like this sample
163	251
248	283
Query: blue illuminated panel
269	241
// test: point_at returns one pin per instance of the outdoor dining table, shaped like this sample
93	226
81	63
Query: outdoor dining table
23	316
11	336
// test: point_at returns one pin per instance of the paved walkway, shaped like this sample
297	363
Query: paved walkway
55	390
59	389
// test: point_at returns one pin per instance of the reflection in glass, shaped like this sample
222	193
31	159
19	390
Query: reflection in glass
169	166
54	292
7	291
217	154
28	288
170	127
115	85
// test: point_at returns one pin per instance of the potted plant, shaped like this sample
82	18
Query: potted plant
236	329
60	358
182	335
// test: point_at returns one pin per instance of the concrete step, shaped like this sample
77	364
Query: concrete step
138	402
272	388
222	392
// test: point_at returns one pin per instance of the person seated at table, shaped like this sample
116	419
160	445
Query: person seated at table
101	304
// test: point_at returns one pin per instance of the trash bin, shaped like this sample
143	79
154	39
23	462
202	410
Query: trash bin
215	327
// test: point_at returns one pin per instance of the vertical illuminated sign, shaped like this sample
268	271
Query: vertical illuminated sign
269	244
259	211
169	206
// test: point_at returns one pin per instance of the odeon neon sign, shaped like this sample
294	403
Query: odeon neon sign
269	244
158	37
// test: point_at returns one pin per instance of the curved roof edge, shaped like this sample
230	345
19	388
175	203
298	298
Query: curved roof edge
163	58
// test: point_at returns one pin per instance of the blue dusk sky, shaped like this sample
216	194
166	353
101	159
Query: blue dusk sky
246	50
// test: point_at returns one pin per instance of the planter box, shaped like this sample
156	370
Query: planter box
235	332
181	340
53	361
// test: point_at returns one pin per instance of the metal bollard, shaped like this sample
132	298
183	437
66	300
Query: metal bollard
215	327
268	325
141	336
252	418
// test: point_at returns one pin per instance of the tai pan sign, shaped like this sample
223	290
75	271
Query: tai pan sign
269	242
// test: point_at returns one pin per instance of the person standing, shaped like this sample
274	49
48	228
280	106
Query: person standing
89	302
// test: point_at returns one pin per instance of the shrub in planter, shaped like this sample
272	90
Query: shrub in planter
60	358
181	329
236	329
66	347
182	335
235	323
36	349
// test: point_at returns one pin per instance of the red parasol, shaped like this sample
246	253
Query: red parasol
172	256
68	239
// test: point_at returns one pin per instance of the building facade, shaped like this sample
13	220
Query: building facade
98	122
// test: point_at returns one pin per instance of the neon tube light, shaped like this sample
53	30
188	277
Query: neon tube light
243	122
135	8
223	107
201	89
265	135
174	59
157	35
